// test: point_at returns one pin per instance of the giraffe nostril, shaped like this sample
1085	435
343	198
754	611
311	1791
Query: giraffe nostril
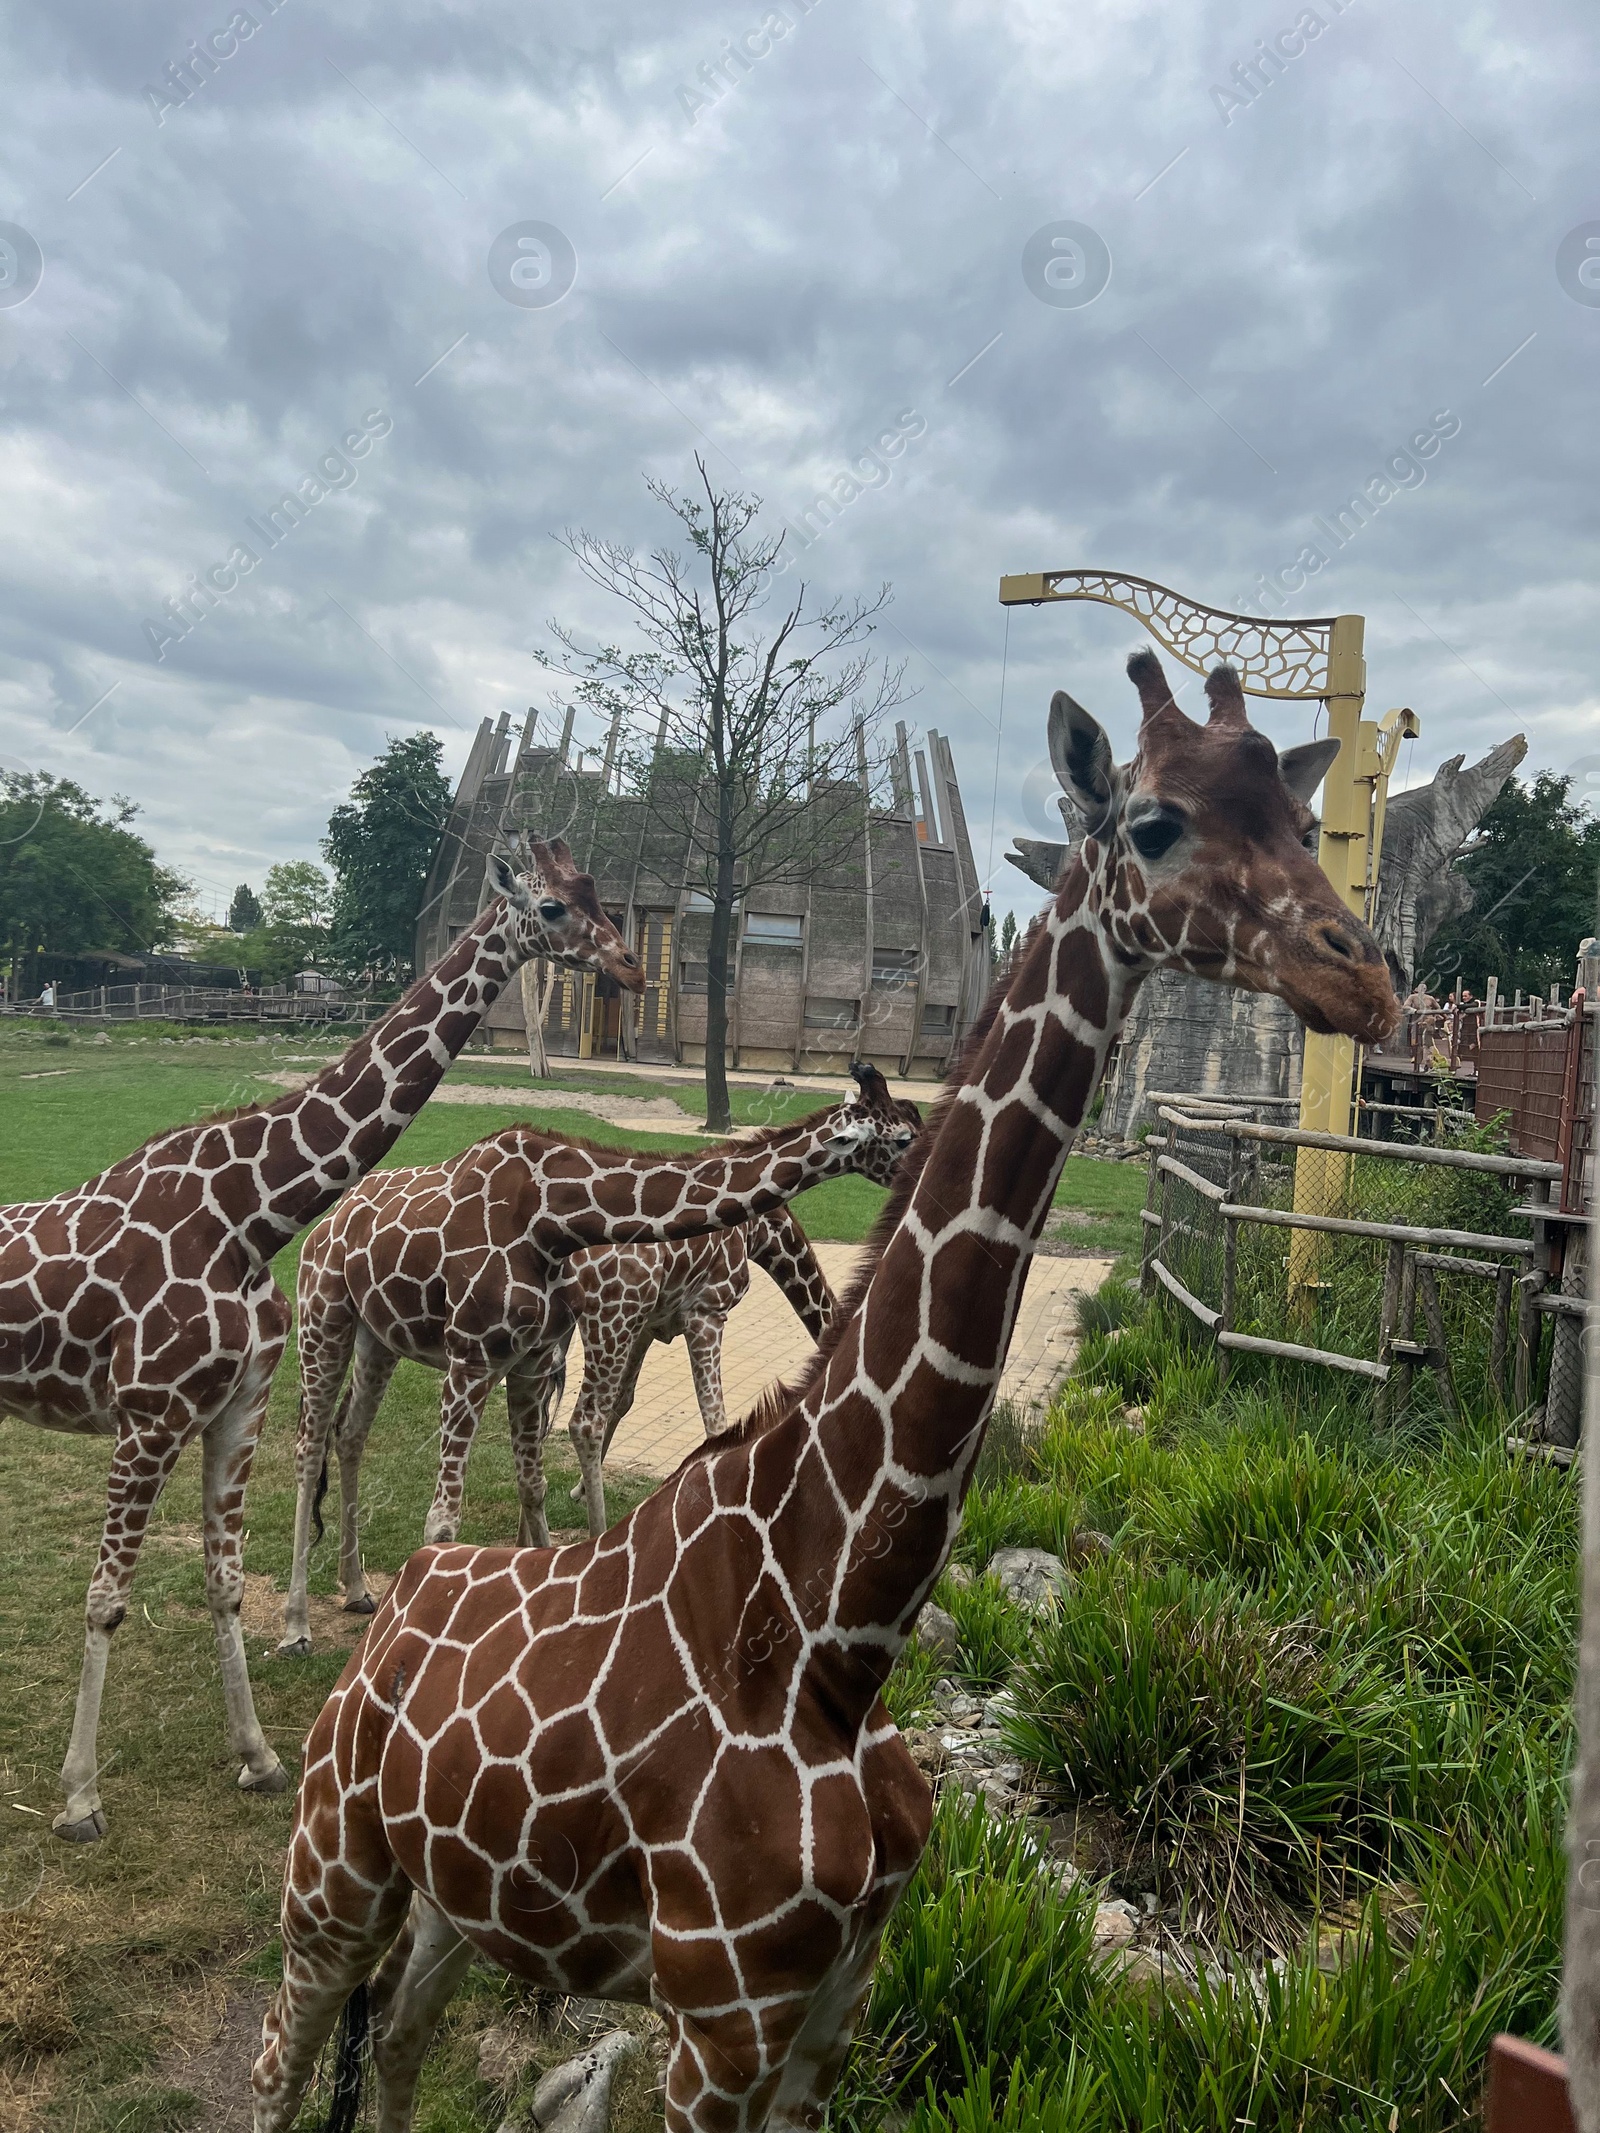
1338	941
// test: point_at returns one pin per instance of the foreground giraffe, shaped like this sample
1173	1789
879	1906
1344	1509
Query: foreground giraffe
656	1766
460	1266
141	1306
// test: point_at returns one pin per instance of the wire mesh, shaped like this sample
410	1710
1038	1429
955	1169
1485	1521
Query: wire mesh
1327	1291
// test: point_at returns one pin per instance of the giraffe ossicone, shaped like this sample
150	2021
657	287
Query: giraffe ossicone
141	1305
464	1265
656	1765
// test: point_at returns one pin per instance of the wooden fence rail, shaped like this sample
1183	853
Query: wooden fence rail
1417	1254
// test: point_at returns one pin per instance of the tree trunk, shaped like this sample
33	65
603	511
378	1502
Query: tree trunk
719	1115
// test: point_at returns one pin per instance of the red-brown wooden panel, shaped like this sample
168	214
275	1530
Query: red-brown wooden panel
1527	2090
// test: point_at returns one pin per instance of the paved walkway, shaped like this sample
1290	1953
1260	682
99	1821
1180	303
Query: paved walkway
765	1340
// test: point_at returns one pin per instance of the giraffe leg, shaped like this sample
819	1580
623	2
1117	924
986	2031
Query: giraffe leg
533	1393
816	2058
720	2079
227	1449
412	1992
610	1377
321	1969
703	1338
374	1366
468	1381
327	1335
140	1467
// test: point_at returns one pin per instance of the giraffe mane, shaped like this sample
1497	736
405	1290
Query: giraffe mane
781	1398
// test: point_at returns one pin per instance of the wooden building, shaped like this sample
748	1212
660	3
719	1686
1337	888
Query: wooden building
885	956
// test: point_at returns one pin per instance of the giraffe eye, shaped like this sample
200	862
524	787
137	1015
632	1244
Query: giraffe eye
1150	839
551	908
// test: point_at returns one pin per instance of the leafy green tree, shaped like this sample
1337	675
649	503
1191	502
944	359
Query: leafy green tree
1534	868
297	894
380	844
1008	936
74	877
244	913
296	902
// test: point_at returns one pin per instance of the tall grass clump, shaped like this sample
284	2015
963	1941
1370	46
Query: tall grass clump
1227	1750
985	1962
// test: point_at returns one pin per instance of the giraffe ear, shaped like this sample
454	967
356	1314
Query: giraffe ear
1081	757
509	883
1303	769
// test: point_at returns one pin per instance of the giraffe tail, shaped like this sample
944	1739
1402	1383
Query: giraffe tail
322	1479
350	2055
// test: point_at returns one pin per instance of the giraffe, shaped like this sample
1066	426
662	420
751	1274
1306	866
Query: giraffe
141	1305
460	1265
621	1300
656	1765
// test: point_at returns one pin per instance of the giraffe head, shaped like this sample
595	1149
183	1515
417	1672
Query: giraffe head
893	1123
1200	855
553	910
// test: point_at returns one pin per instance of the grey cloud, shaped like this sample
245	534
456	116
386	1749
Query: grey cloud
1293	295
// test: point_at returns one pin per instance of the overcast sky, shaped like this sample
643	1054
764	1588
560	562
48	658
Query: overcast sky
1367	242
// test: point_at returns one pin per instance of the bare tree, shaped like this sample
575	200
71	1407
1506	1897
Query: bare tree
756	732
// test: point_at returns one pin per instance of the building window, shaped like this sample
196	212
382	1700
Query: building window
831	1014
698	900
696	978
773	929
938	1021
893	969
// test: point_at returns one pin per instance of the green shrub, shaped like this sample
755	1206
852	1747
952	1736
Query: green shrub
1230	1749
985	1962
993	1629
1260	1512
1013	1513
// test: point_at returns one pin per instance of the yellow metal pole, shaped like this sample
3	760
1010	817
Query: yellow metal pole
1327	1081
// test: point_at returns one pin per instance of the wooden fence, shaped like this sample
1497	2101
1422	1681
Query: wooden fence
1219	1195
193	1003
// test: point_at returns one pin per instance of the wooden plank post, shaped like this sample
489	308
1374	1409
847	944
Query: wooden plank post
1393	1277
1230	1250
1500	1336
1438	1352
1407	1324
1152	1251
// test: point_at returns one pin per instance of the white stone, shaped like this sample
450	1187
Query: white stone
1032	1576
1113	1928
576	2097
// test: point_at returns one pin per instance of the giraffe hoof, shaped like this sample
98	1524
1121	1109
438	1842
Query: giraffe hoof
87	1829
274	1780
295	1648
366	1605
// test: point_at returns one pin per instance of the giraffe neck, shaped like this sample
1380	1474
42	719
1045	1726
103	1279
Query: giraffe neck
893	1425
298	1155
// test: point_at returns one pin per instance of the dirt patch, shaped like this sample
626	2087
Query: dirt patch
215	2064
331	1628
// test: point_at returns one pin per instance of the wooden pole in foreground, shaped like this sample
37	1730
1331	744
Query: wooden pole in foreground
1580	1993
